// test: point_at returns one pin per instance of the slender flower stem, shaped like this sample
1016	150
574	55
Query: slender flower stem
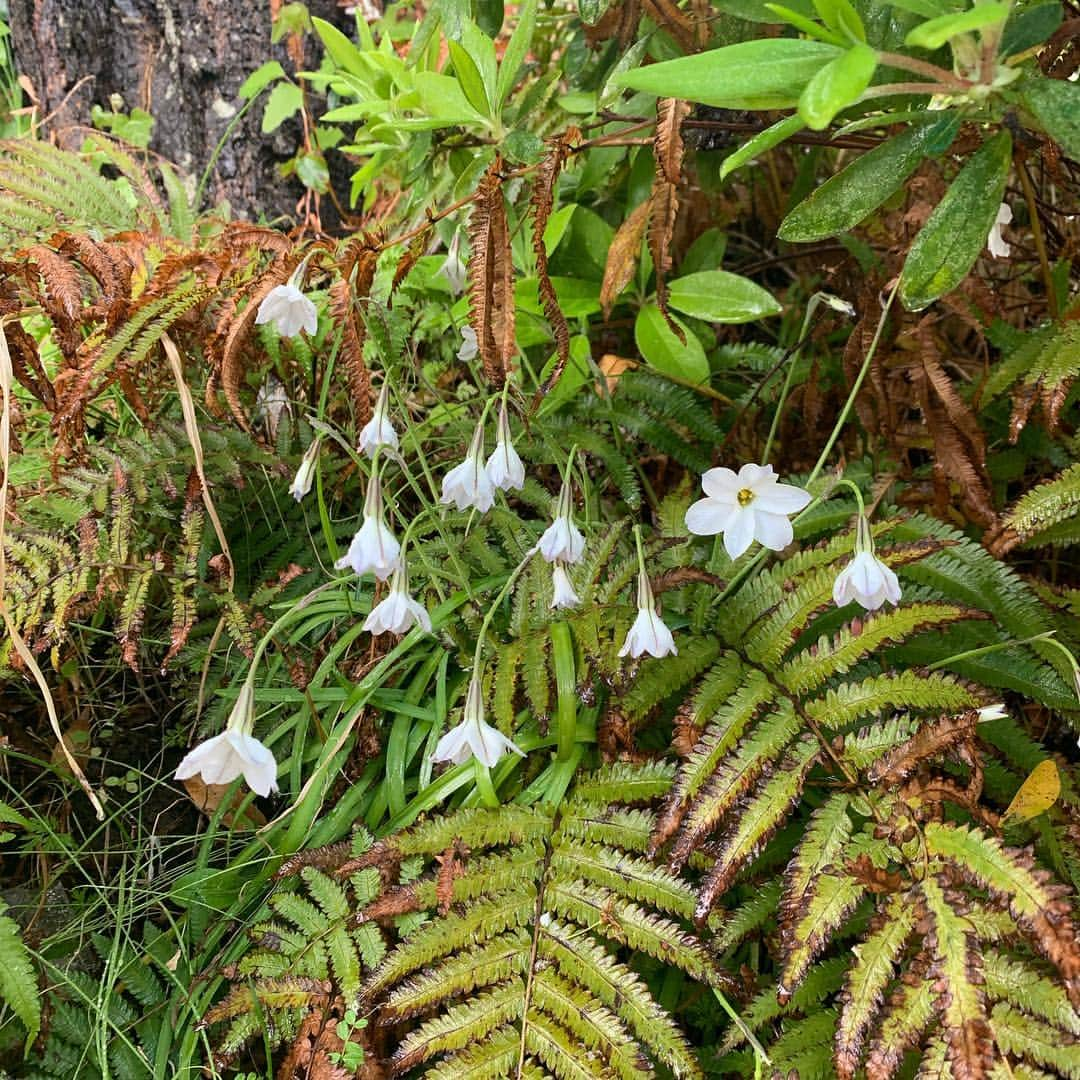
792	360
969	654
855	388
490	614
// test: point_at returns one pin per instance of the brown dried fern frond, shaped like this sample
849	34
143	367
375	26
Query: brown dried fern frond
668	149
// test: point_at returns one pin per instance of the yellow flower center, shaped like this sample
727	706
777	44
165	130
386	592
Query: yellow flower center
745	497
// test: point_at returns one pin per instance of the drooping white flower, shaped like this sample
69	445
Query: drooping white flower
866	578
374	548
305	475
997	244
504	467
649	633
235	752
992	712
468	484
469	344
563	595
453	269
288	308
398	612
746	506
562	540
473	737
379	430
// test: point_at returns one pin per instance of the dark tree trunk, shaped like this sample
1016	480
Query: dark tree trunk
180	60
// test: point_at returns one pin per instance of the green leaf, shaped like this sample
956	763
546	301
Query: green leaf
1055	104
18	986
837	85
763	141
950	241
934	33
482	50
839	15
807	25
285	100
847	198
764	74
664	351
342	51
592	11
516	50
313	173
717	296
1030	26
472	82
260	78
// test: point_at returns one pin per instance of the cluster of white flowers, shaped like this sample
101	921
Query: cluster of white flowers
749	505
471	485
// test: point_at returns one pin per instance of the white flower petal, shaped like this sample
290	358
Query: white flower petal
489	744
468	486
773	531
378	431
257	761
562	540
649	634
289	310
707	517
505	469
563	595
739	531
373	550
454	745
777	498
721	484
223	758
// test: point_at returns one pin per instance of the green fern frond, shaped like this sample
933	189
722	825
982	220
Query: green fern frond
18	983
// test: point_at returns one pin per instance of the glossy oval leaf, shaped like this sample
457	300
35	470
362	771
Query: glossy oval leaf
955	233
664	351
856	192
717	296
836	86
935	32
1055	104
764	74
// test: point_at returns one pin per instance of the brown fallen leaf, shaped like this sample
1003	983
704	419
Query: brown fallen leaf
612	367
623	255
208	797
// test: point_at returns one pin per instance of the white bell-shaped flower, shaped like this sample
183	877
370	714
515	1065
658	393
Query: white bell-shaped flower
235	752
993	712
998	246
374	548
504	467
473	737
649	633
398	612
470	346
866	578
379	430
305	475
562	540
468	484
746	506
562	589
288	308
453	269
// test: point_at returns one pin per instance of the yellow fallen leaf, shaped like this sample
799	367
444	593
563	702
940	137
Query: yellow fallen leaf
1037	793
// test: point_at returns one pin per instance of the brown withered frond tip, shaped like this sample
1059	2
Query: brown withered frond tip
491	277
668	149
543	202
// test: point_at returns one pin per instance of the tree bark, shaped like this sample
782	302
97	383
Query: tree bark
180	60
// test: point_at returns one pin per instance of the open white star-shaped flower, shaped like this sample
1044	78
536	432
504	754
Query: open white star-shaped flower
746	506
473	737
